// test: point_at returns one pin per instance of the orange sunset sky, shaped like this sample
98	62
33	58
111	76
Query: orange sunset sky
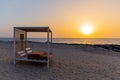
65	17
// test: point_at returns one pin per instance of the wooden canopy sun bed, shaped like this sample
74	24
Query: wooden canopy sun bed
22	53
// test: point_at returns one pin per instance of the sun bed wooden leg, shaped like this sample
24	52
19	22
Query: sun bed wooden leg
48	64
14	62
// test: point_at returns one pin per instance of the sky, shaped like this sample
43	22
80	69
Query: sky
65	17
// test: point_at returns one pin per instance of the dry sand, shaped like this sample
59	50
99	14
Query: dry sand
69	63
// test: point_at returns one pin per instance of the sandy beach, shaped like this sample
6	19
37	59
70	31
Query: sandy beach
70	62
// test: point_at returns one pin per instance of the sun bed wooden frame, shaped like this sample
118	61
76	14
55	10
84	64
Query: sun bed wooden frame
24	31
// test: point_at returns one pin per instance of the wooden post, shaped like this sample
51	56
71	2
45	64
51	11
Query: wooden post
14	46
48	47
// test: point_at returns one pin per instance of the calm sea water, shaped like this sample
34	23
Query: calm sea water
75	40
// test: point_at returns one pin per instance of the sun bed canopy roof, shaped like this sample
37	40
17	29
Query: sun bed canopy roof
34	29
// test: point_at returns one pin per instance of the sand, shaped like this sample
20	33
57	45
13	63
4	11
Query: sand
70	62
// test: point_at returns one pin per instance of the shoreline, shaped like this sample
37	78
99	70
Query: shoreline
99	41
113	47
70	62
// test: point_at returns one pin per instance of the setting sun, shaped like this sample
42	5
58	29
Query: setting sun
86	29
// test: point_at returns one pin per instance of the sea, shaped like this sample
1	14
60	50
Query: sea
100	41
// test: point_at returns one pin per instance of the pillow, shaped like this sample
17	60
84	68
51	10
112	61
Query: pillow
30	51
21	52
27	49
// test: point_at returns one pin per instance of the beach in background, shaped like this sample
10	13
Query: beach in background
73	59
70	62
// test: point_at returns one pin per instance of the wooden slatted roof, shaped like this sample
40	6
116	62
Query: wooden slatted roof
35	29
